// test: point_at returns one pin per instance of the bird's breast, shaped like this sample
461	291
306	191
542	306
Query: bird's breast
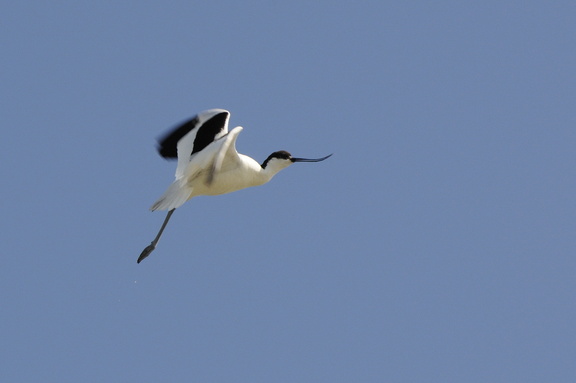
224	182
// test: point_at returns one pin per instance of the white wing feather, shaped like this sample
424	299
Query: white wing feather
227	151
184	148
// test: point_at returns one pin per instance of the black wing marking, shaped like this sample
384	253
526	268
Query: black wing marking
208	131
167	144
204	134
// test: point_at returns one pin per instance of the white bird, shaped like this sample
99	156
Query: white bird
208	163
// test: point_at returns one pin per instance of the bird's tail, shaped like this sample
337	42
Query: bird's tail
173	197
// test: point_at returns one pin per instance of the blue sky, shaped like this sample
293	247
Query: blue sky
436	245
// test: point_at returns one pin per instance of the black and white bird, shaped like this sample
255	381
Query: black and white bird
208	163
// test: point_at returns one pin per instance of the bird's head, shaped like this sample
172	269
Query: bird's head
282	159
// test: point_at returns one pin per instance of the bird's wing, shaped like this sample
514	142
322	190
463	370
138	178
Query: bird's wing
226	155
191	137
209	161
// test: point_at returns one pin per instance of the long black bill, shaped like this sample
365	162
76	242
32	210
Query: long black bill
310	159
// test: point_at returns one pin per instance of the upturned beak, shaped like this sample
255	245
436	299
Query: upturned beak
309	159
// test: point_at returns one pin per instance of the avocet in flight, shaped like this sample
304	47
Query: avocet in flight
208	163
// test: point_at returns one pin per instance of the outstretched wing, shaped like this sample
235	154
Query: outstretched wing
192	136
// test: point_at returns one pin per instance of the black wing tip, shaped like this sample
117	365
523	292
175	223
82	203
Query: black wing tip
167	144
167	152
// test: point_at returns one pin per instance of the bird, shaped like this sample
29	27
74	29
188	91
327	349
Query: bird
208	163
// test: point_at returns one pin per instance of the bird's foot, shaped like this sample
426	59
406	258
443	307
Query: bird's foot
146	252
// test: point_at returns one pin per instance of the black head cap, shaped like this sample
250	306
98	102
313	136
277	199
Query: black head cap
281	154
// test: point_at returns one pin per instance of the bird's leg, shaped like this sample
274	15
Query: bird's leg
150	248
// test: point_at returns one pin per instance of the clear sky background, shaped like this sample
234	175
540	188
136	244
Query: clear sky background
438	244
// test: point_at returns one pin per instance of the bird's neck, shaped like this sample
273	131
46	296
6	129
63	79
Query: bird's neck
267	173
260	175
271	169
